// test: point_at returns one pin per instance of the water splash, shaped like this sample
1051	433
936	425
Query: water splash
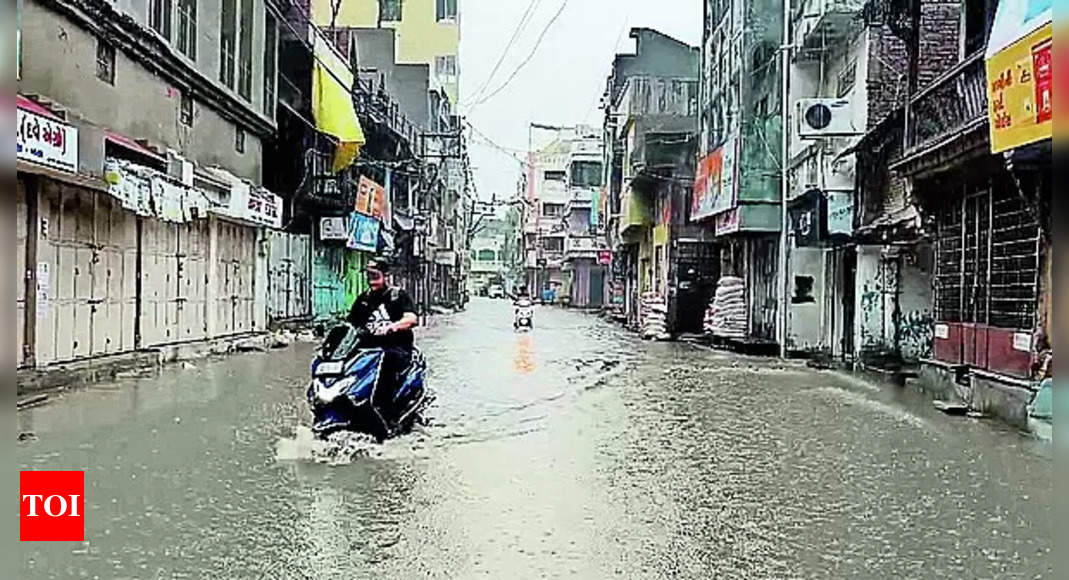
341	448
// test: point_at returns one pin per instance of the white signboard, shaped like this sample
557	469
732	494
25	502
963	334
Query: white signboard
264	208
942	331
45	141
44	289
1022	341
333	228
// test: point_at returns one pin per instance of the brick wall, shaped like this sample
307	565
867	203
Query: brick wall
940	39
887	75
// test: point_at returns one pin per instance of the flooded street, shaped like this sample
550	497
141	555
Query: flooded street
573	451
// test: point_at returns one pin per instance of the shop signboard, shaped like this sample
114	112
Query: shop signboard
333	228
363	233
840	207
372	200
714	184
1020	74
727	222
45	141
264	208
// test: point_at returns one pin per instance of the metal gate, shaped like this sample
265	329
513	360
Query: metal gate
174	262
987	277
86	270
289	281
235	279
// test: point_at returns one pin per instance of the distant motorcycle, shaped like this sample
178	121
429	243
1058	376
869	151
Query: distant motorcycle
345	378
524	315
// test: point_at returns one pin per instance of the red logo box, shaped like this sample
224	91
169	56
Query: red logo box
51	506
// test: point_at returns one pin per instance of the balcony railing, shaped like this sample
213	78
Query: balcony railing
950	106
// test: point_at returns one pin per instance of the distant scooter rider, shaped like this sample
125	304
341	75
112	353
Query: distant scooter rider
390	314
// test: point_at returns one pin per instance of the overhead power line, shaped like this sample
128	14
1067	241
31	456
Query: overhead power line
527	60
520	26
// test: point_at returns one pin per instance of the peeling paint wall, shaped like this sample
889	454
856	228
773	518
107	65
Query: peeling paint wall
915	300
894	303
338	275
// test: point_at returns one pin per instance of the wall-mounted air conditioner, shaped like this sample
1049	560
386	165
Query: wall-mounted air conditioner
825	118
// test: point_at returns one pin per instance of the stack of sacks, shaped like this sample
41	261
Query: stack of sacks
726	316
654	316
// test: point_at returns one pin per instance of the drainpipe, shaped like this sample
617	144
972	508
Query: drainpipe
785	58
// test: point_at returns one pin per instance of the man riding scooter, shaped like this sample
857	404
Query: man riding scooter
523	311
390	314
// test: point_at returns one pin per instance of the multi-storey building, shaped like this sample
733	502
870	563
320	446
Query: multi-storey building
427	31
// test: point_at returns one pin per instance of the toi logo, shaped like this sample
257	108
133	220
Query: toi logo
51	506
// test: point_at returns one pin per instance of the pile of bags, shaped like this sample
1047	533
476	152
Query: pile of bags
726	316
653	316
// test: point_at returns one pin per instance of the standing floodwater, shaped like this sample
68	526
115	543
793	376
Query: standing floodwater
571	451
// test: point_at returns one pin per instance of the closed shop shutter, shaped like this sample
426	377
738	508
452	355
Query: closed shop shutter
89	249
235	279
21	233
289	293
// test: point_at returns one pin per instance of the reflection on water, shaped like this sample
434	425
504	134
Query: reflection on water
592	455
524	359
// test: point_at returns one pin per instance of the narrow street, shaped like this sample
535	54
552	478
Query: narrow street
573	451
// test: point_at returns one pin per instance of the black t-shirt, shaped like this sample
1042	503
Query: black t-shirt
376	308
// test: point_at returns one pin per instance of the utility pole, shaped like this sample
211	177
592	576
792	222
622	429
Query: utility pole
786	51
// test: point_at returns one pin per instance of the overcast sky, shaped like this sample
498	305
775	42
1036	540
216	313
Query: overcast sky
562	83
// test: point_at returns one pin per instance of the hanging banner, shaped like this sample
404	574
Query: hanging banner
363	233
371	200
1020	74
714	184
45	141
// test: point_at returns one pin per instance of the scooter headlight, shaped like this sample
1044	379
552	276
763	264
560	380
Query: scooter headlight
328	395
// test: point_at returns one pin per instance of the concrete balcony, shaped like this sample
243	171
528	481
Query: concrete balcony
823	24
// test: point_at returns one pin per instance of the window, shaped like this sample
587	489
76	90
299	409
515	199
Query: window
552	209
390	10
586	174
553	244
239	140
185	113
228	35
105	62
270	65
445	67
159	17
245	55
486	256
554	175
847	76
447	9
187	28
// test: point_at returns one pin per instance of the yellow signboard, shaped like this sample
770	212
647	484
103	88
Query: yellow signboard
1020	91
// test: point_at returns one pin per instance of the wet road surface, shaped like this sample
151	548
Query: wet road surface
573	451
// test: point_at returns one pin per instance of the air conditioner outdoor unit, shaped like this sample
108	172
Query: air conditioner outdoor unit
825	118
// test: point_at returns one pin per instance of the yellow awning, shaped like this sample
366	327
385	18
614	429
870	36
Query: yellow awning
332	102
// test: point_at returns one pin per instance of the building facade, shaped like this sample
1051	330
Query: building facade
427	31
140	199
737	190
